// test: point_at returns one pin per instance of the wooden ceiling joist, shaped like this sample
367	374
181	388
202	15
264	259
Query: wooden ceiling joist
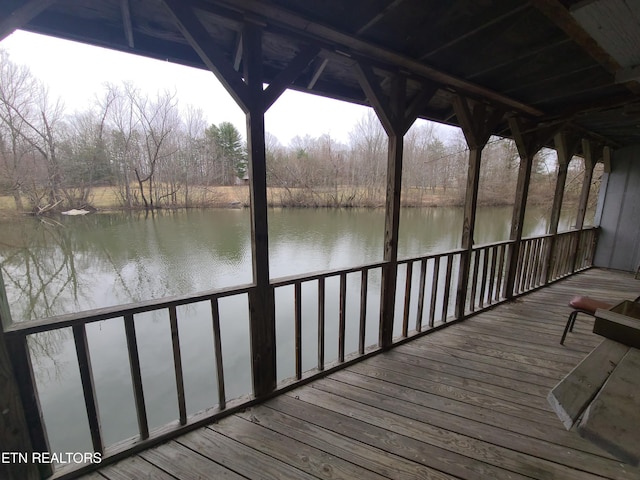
126	22
385	11
348	43
475	31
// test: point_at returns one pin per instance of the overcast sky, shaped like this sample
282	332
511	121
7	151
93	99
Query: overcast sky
75	72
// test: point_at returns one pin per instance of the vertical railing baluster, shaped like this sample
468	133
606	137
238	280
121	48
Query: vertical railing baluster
407	299
447	288
434	290
217	345
542	249
492	274
538	262
524	245
177	364
18	350
88	386
501	268
136	376
485	267
423	278
363	311
321	323
474	280
343	313
531	263
297	304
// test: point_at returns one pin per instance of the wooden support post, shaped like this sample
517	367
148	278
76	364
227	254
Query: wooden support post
261	298
566	147
247	90
529	140
592	154
396	118
392	221
477	123
14	430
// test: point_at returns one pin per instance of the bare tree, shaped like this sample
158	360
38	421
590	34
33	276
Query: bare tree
17	88
157	119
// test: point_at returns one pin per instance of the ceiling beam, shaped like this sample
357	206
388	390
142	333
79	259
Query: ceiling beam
383	13
517	58
14	18
126	22
478	29
301	26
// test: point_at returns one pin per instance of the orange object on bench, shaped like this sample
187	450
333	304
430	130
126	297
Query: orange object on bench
582	304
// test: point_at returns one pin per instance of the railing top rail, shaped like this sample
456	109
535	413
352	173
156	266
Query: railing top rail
492	244
567	232
105	313
308	277
431	255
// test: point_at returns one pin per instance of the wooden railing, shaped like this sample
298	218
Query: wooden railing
426	295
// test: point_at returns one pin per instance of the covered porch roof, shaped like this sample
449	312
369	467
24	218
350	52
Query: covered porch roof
554	62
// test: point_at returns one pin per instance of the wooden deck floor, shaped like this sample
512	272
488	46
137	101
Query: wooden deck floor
464	402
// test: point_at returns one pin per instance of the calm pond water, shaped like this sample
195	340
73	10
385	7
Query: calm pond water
74	264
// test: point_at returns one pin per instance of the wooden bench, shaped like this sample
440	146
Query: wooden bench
600	397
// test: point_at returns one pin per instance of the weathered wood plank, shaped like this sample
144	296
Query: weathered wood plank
378	460
570	397
339	420
620	327
178	460
411	422
238	457
134	467
499	401
482	425
297	454
611	420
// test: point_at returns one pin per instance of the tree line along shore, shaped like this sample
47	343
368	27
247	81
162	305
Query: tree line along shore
131	149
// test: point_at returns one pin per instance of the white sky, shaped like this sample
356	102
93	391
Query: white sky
75	72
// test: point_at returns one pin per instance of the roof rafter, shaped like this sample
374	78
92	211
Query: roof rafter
126	22
347	43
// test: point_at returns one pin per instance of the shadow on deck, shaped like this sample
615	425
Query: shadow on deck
466	402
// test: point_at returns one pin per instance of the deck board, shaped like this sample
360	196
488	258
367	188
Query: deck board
464	402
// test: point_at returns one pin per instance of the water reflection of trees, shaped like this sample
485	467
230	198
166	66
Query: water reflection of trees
39	268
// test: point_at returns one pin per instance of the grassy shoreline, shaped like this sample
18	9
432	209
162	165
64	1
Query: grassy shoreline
106	199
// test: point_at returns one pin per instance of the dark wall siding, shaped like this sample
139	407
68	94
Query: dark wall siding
619	205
